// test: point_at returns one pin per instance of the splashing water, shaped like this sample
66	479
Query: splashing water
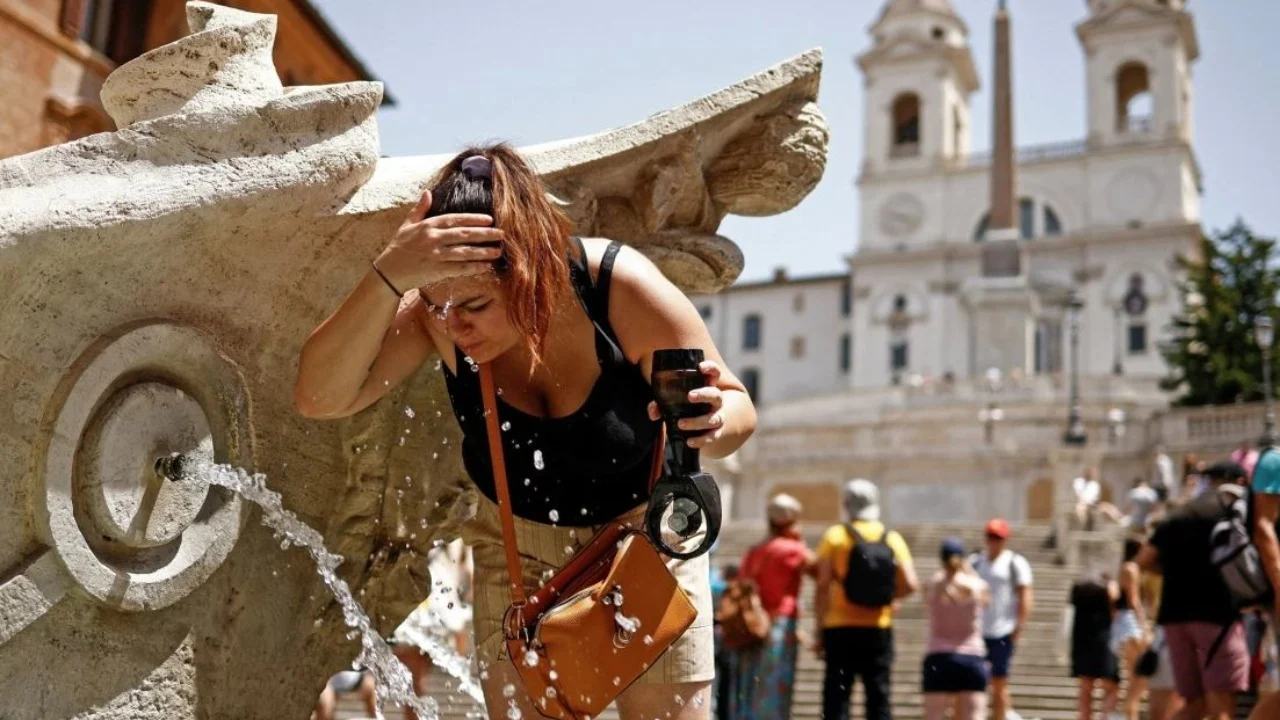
538	463
395	683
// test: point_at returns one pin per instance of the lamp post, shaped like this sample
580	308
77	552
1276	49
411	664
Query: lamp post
1117	367
1264	333
1075	434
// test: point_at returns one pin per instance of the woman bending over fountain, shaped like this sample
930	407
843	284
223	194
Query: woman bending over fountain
485	270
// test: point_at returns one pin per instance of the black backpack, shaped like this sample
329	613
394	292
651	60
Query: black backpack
872	577
1232	552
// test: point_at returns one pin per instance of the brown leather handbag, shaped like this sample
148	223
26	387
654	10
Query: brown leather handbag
604	618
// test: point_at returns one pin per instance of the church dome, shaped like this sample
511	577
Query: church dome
904	7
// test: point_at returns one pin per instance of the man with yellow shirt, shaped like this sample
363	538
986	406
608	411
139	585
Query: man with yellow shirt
863	570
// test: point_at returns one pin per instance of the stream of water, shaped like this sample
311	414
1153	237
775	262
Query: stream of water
395	683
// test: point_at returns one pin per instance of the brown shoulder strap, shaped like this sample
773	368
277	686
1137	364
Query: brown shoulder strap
500	484
499	464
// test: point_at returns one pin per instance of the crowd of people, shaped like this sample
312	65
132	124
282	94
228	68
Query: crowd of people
978	604
1167	619
1163	619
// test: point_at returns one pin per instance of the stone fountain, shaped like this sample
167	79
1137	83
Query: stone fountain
156	284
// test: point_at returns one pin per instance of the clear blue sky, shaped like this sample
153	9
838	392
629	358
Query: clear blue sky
532	72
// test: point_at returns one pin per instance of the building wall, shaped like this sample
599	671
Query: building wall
819	324
50	81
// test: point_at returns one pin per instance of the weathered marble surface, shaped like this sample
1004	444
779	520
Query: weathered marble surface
156	284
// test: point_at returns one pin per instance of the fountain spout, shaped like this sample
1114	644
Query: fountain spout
171	467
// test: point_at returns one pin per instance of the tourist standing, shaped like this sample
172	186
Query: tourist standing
863	569
1008	576
1266	512
1164	478
722	686
764	676
1129	634
1142	502
1088	493
1195	605
955	665
1092	662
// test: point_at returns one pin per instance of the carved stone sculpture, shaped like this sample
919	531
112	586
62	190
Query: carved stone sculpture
156	284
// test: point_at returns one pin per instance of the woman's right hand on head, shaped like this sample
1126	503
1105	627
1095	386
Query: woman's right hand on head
427	250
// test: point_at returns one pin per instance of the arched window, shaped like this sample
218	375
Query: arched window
906	126
1133	98
1027	217
1052	226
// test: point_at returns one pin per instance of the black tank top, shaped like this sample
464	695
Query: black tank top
583	469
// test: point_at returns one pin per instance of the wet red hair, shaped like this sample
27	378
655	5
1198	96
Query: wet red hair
534	269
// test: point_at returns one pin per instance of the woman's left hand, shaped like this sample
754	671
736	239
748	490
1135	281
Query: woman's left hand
713	421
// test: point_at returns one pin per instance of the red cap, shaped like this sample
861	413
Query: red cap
998	528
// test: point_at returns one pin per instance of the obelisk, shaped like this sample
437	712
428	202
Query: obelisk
1001	302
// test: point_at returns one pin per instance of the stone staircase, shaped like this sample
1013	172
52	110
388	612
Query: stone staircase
1040	680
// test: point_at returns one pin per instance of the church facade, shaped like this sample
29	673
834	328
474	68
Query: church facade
1104	216
969	271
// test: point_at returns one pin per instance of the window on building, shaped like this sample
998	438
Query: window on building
1052	226
797	348
957	131
898	354
906	125
1027	218
1133	98
751	381
1048	346
1027	228
1137	338
846	298
797	303
846	352
115	28
705	311
751	332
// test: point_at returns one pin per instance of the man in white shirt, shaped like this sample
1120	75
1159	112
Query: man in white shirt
1088	492
1008	575
1164	482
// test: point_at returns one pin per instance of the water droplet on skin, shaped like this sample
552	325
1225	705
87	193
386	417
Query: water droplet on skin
527	481
584	511
648	639
554	515
537	460
499	391
506	426
553	675
408	411
508	690
531	659
476	368
402	442
568	549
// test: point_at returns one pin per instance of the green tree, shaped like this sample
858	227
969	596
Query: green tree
1212	355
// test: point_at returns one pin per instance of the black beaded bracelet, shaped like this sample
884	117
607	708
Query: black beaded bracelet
385	280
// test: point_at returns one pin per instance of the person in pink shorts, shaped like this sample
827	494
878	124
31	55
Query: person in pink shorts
1202	628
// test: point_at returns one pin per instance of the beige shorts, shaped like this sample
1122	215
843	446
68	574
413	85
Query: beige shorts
543	549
